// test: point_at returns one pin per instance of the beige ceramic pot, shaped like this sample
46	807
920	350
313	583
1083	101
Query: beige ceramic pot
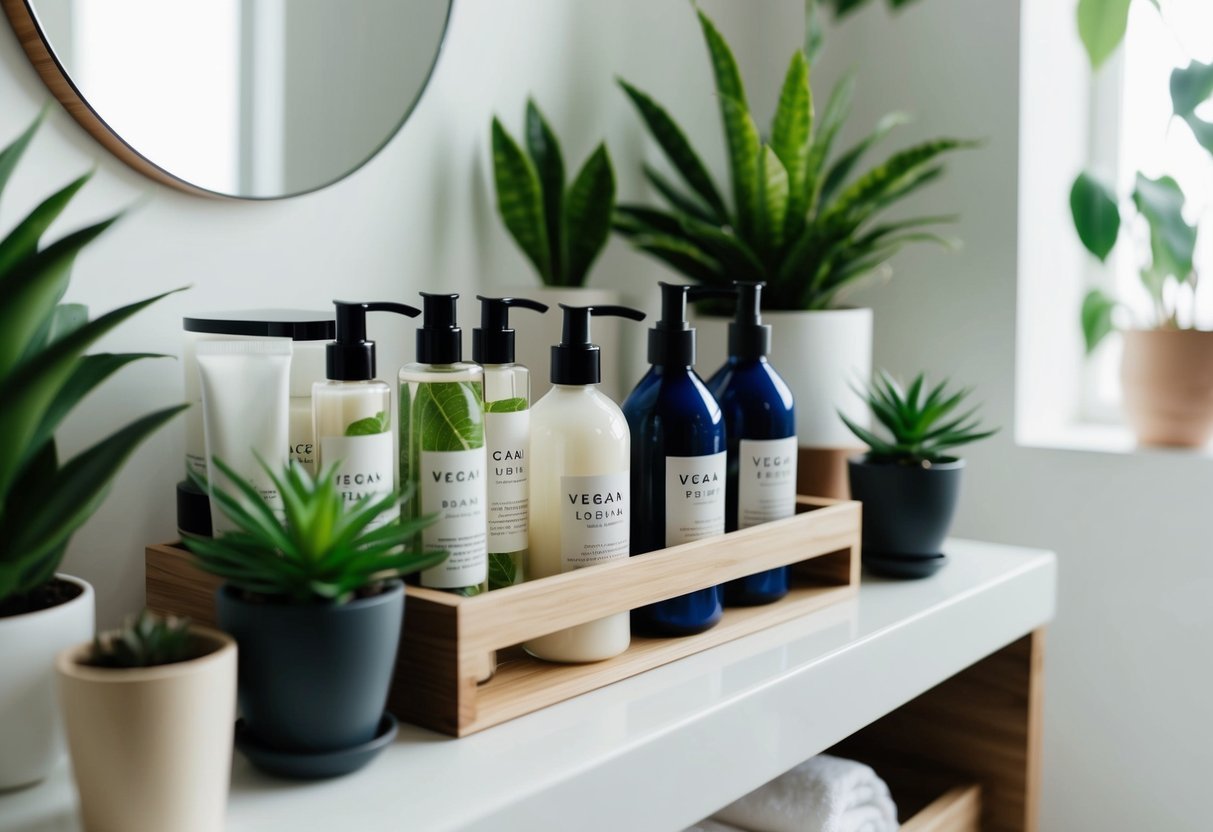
152	747
1167	380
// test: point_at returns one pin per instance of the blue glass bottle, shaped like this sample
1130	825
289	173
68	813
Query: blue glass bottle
760	419
679	460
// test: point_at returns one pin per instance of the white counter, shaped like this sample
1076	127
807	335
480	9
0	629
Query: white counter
661	750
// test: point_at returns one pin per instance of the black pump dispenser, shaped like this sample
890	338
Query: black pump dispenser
672	339
352	357
439	338
749	337
575	360
493	340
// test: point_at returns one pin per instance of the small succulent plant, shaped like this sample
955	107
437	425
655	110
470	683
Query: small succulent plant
146	640
920	420
323	550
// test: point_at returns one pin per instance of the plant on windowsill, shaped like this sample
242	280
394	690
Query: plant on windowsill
807	221
1166	367
44	375
909	479
315	602
168	689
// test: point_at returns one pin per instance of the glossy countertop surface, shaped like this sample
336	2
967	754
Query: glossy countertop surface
663	749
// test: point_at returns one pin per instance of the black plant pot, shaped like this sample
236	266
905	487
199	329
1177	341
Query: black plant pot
314	678
907	509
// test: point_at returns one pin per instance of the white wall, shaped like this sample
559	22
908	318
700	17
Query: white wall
1128	736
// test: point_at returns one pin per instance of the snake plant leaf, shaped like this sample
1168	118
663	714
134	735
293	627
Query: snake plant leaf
33	287
814	35
630	220
674	144
1096	217
1172	239
684	203
880	233
744	150
1101	26
684	257
724	65
841	169
791	130
520	200
22	241
544	150
587	214
771	202
88	375
12	153
838	107
28	392
732	253
64	319
899	169
77	489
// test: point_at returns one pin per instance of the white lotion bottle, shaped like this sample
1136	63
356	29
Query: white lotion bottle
352	411
580	472
507	438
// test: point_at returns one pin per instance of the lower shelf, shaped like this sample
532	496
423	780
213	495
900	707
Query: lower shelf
958	809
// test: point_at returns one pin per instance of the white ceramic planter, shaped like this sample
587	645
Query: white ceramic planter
31	735
537	334
152	746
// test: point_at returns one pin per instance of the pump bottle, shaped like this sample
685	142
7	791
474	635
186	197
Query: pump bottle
352	411
507	437
760	418
678	462
442	453
580	489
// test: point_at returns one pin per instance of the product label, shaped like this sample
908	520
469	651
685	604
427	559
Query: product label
694	497
364	467
594	522
766	481
301	437
507	441
452	485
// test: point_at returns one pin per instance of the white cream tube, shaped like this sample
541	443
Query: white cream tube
245	414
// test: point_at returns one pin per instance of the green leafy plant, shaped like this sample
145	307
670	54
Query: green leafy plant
322	550
145	640
371	425
560	229
795	216
921	421
44	374
1168	273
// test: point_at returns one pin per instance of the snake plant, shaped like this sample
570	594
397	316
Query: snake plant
797	215
921	421
561	229
323	549
44	374
145	640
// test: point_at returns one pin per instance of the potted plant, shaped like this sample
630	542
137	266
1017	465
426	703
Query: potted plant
909	482
1166	369
44	374
561	228
315	601
798	217
149	710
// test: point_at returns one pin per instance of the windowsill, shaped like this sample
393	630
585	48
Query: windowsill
1100	438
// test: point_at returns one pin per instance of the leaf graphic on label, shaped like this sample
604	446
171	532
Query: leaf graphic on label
506	405
504	569
368	426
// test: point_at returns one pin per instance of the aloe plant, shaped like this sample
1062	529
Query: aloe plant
1169	273
44	374
921	421
323	550
145	640
561	229
795	215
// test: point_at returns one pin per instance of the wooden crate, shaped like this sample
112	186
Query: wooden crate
447	638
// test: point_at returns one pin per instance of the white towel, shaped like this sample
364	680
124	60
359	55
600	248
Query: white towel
823	794
709	825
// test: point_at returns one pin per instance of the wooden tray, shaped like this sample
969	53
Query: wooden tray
447	638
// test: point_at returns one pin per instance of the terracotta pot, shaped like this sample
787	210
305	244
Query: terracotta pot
31	734
152	746
1167	380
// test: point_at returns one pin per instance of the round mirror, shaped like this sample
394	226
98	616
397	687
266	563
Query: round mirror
257	99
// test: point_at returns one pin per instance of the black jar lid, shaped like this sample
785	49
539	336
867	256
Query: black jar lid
296	324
